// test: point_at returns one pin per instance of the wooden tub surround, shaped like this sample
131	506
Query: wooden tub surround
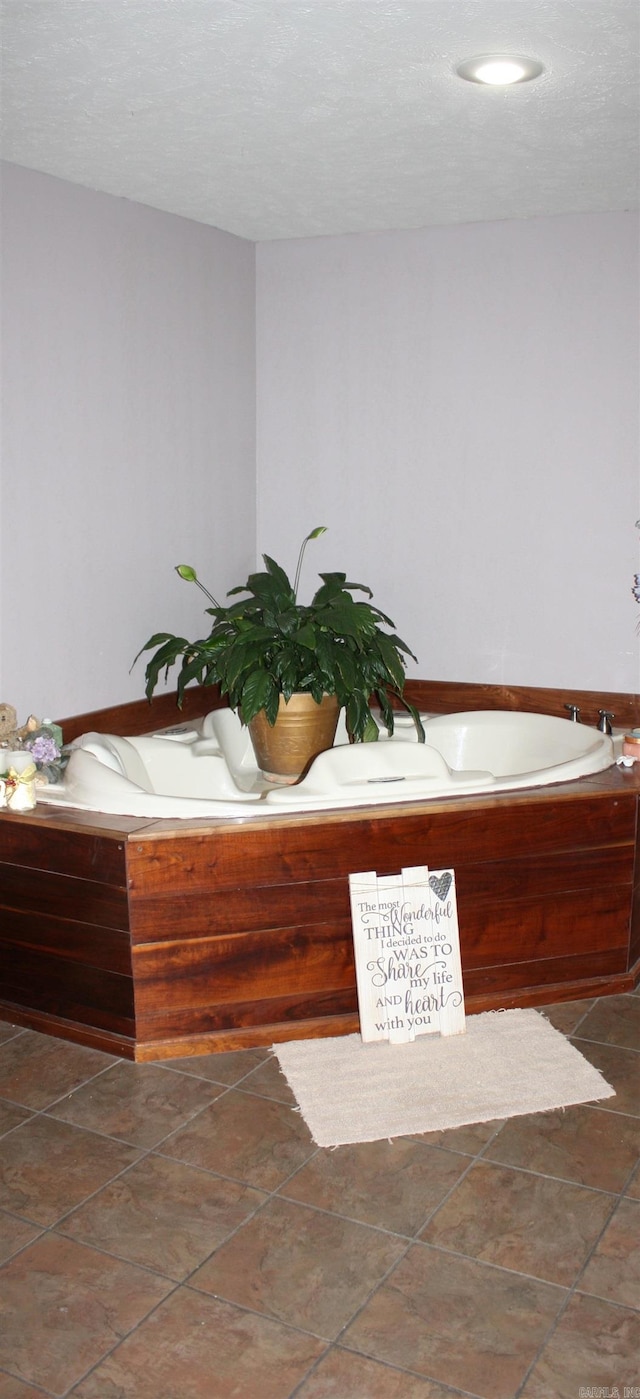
154	939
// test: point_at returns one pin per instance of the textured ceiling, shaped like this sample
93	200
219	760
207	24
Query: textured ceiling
289	118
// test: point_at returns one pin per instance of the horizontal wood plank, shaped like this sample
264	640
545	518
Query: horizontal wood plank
292	961
170	1021
63	896
287	961
573	923
79	993
52	846
47	1024
143	716
499	981
262	855
452	697
107	949
186	913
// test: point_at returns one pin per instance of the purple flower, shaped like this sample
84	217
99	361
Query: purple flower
44	749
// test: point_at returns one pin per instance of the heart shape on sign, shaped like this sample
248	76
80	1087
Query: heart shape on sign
441	885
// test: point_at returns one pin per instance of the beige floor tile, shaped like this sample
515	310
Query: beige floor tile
228	1068
456	1321
394	1185
621	1069
269	1081
301	1266
9	1031
613	1272
566	1015
595	1345
613	1020
12	1116
49	1167
173	1273
342	1375
196	1347
65	1306
581	1144
36	1070
633	1188
138	1103
532	1224
163	1215
469	1140
253	1139
11	1388
14	1234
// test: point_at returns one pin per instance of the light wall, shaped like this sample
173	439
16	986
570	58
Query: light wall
128	435
460	407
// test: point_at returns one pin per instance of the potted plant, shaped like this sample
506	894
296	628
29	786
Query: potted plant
267	649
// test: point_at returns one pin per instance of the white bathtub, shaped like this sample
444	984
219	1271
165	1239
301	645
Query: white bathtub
209	770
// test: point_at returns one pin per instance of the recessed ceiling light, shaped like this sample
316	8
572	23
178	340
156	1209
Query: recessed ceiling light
499	69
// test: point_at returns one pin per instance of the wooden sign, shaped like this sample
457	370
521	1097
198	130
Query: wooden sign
407	951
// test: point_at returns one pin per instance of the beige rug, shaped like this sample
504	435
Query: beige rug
506	1064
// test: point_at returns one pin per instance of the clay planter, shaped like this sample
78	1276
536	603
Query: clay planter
302	729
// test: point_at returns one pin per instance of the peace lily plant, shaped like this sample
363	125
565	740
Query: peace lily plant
268	644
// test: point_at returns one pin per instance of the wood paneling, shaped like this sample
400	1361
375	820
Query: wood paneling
159	916
546	973
72	990
143	716
106	949
62	896
313	959
578	923
167	937
53	844
64	922
451	697
56	1025
261	854
240	1015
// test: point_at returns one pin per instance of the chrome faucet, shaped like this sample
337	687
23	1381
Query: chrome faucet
574	712
604	722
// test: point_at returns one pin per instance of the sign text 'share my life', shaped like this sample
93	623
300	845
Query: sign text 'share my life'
407	951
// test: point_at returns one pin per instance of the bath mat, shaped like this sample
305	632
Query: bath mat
508	1063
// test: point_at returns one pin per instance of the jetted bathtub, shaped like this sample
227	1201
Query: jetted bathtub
209	769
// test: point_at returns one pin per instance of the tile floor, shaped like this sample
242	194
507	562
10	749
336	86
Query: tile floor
171	1232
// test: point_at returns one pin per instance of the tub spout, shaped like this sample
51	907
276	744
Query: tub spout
604	721
574	712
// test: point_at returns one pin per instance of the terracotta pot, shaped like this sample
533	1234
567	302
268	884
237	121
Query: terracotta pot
302	729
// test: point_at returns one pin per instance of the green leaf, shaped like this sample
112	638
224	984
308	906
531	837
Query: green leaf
416	719
154	640
241	657
343	620
257	690
370	733
347	667
306	636
357	715
278	574
165	657
192	669
385	710
391	660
